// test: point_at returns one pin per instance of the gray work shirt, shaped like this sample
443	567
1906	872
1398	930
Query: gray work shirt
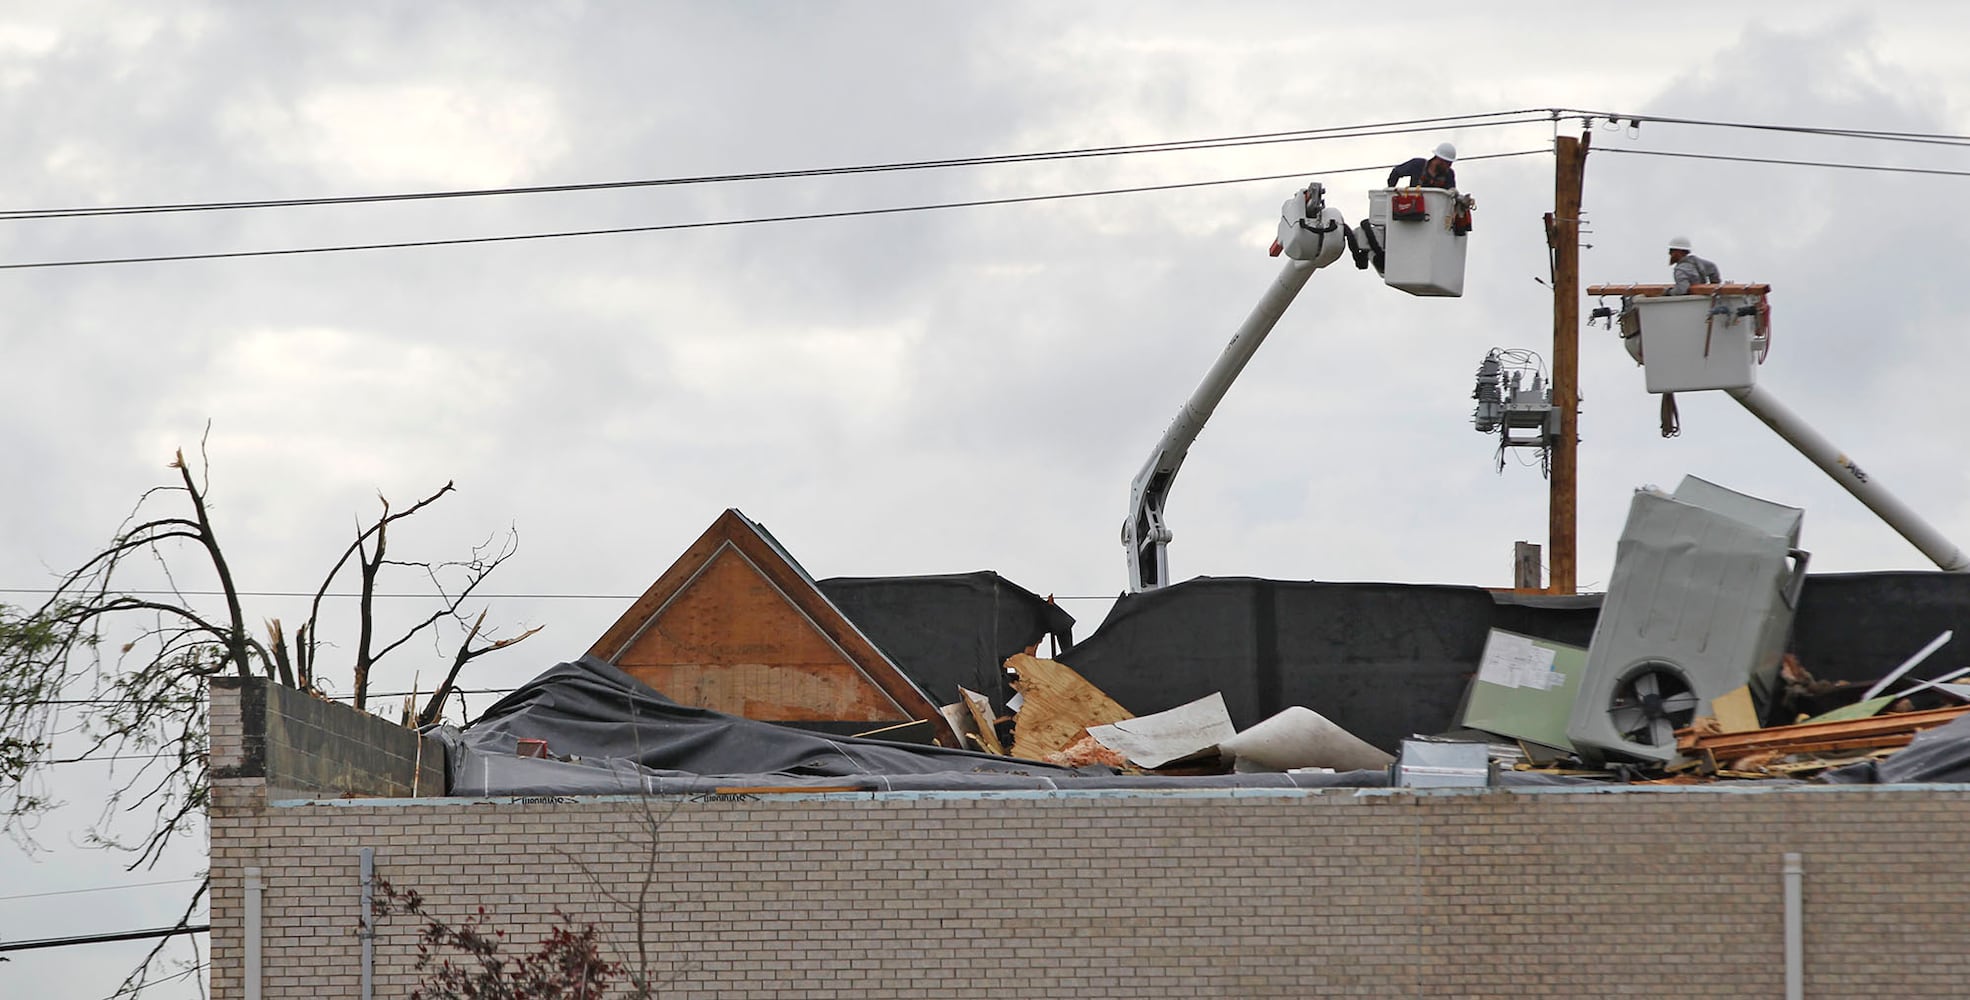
1694	270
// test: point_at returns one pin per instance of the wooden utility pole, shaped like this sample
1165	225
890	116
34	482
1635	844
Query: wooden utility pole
1563	236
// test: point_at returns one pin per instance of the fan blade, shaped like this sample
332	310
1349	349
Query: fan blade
1662	733
1627	721
1644	685
1682	701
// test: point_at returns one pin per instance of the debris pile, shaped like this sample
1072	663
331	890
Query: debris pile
1058	717
1685	677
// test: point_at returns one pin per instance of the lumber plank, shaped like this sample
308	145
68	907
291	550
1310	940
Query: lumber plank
1877	731
1650	290
986	733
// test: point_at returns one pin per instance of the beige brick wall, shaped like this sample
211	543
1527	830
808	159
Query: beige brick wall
1648	893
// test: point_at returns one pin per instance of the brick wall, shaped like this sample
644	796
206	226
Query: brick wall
1467	893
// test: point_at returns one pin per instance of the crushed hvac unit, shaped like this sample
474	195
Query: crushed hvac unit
1422	243
1704	587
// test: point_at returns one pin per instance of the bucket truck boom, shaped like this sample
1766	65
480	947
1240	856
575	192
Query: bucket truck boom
1312	235
1714	338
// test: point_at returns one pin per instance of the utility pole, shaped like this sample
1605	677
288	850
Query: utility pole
1563	237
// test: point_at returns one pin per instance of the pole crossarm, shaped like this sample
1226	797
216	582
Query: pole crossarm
1651	290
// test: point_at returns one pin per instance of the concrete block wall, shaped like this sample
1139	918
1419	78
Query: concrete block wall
1646	892
309	748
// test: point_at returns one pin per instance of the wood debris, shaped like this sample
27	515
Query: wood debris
1056	707
984	729
1735	713
1875	733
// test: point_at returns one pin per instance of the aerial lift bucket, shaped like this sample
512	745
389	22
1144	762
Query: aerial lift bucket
1693	342
1422	244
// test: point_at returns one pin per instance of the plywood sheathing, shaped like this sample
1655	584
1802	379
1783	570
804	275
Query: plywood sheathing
1056	707
734	625
1735	711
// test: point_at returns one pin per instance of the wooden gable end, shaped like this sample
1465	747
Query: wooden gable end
733	626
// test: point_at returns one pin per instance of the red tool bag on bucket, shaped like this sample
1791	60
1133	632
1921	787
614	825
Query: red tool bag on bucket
1406	205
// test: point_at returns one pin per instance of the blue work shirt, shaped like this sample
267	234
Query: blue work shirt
1419	174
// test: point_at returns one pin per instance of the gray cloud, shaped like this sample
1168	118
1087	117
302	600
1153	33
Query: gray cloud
919	393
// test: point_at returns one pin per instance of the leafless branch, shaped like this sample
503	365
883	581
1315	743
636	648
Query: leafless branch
466	654
307	649
140	977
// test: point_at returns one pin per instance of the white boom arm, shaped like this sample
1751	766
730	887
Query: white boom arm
1862	485
1312	236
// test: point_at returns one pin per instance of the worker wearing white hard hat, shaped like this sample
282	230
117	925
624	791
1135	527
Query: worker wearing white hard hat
1688	268
1431	171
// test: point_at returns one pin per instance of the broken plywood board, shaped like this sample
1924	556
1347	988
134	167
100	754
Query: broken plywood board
1734	710
1185	731
983	725
1056	706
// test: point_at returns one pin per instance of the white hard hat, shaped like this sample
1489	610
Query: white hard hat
1446	152
1679	243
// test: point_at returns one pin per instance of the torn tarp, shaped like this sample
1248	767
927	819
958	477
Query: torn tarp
618	727
627	739
1936	756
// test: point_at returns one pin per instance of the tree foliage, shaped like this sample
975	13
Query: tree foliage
474	960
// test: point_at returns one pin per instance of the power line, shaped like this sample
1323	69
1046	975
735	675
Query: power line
717	223
1877	135
194	701
116	757
98	701
63	942
1930	171
100	888
1369	130
1518	116
1515	117
45	591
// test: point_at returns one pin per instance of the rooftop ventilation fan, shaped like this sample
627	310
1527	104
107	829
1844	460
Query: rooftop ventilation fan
1699	604
1650	704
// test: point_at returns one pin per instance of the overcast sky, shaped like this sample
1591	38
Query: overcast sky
924	392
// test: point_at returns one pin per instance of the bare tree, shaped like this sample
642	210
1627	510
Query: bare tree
121	672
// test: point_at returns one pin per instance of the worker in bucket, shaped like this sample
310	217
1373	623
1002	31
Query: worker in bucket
1689	268
1432	172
